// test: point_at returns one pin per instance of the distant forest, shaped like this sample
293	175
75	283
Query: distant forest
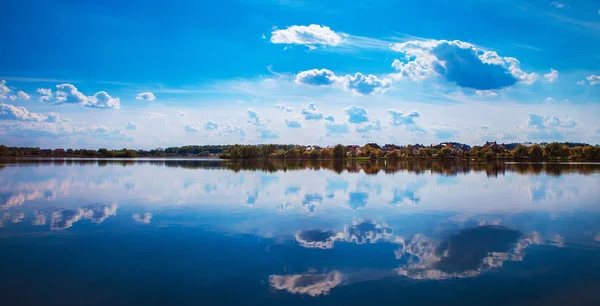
449	150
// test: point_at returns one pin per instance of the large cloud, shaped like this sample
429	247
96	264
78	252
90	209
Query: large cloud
468	253
358	84
310	112
458	62
591	79
69	94
307	35
20	113
147	96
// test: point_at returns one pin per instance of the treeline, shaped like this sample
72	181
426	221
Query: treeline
546	151
490	151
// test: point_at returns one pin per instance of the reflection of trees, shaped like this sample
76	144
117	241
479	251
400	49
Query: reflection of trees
370	167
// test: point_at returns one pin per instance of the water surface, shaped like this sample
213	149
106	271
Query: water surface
209	232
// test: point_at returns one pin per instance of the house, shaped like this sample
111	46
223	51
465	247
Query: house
353	150
389	147
374	145
310	148
59	152
494	146
415	148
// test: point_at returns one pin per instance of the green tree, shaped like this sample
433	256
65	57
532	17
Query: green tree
553	150
536	151
338	152
520	151
446	152
315	154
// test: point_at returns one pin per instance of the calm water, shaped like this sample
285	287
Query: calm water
314	233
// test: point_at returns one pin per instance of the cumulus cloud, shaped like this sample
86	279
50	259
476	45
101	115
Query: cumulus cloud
458	62
540	122
20	113
131	126
307	35
551	76
147	96
45	94
358	84
293	122
310	112
285	108
310	284
366	84
22	95
356	114
557	4
4	90
591	80
329	118
69	94
102	100
405	118
256	119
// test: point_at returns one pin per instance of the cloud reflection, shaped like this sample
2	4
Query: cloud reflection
144	218
359	232
311	284
97	213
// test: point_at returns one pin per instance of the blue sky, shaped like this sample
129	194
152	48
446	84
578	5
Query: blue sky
146	74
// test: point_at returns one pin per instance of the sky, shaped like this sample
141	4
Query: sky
147	74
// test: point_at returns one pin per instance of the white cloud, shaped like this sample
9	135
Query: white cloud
548	128
285	108
552	76
131	126
45	94
329	118
20	113
3	88
293	122
12	97
310	112
486	93
359	84
102	100
557	4
256	119
549	99
67	93
405	118
356	114
458	62
307	35
22	95
146	96
317	77
591	79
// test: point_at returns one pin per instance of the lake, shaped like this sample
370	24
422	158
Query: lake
211	232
